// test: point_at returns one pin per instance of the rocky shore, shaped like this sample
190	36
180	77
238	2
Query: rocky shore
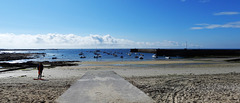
19	56
33	64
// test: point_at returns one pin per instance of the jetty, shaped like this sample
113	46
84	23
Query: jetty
190	52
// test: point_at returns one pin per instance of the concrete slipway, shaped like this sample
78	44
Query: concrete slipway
103	87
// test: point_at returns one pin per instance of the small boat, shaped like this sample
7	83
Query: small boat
95	56
80	53
136	56
121	56
141	57
82	56
97	51
54	57
167	57
115	55
154	56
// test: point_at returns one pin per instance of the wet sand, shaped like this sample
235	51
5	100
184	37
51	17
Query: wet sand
182	80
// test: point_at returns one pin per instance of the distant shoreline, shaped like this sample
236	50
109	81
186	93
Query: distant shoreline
24	49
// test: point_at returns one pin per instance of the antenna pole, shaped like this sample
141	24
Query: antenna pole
186	44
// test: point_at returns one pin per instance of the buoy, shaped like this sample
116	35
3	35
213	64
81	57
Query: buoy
54	57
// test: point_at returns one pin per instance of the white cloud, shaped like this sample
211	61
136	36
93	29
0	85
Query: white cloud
214	26
227	13
195	28
75	41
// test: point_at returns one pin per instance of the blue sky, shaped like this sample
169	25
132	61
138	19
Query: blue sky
119	23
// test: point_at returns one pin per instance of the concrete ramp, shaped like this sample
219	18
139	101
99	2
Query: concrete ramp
103	87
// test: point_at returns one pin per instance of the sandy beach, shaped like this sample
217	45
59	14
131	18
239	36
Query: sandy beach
176	80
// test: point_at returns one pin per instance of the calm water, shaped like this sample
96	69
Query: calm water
73	55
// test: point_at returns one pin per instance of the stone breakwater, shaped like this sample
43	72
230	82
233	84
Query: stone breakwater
191	52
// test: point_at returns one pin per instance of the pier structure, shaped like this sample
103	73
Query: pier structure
191	52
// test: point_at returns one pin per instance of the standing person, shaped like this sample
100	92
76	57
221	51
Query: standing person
40	69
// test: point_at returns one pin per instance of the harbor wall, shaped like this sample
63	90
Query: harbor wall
190	52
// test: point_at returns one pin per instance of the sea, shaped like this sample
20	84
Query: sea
85	55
